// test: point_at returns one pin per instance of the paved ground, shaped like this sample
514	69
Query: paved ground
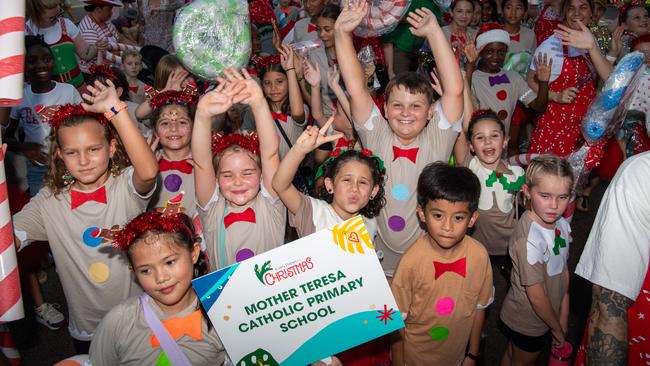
41	346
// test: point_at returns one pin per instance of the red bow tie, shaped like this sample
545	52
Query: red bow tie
458	266
247	215
342	142
410	154
311	28
515	37
134	89
281	116
78	198
181	165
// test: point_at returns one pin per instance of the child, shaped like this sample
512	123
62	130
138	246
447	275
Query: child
41	91
500	183
548	19
281	89
458	33
89	190
172	118
443	282
499	89
353	185
132	65
521	38
164	254
538	300
477	15
408	141
239	210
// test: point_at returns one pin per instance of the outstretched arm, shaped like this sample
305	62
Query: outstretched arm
543	65
424	24
145	166
289	63
461	148
607	328
308	141
361	103
584	39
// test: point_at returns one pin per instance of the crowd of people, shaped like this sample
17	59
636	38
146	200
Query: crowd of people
135	175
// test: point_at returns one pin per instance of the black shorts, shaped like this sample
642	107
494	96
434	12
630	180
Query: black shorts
525	342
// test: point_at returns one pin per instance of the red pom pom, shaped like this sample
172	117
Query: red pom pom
246	141
488	27
336	152
366	152
557	232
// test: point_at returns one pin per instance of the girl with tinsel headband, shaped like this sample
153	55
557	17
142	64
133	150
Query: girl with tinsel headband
240	212
89	190
165	323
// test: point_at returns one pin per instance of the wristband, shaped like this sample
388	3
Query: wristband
291	68
610	58
471	356
115	110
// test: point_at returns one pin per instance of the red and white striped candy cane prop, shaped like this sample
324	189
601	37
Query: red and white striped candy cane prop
12	52
8	347
117	48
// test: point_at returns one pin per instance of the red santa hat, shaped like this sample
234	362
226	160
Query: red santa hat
492	32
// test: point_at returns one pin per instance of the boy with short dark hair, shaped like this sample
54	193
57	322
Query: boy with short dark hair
443	282
415	132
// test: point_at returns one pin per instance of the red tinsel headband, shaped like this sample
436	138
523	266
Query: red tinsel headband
626	7
149	221
645	38
186	97
107	72
480	113
260	62
246	141
55	115
260	12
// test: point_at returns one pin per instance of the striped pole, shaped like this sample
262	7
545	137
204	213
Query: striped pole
12	52
8	347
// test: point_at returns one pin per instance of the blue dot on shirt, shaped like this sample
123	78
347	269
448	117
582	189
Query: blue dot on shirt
90	237
400	192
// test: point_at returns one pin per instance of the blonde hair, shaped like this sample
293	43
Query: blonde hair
548	165
235	149
164	68
54	178
130	53
34	8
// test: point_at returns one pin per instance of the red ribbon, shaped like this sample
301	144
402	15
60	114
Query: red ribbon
410	154
281	116
78	198
247	215
459	266
182	166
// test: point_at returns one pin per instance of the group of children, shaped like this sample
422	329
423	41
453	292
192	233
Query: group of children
134	210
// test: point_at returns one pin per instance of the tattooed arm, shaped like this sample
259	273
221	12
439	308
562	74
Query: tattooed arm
607	328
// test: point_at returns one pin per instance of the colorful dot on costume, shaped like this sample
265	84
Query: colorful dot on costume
244	254
163	360
173	182
502	95
439	333
445	306
400	192
90	238
99	272
396	223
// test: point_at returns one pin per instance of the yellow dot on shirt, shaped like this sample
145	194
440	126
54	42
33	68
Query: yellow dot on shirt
226	318
99	272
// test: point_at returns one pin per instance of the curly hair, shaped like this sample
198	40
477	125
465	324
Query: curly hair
372	208
54	178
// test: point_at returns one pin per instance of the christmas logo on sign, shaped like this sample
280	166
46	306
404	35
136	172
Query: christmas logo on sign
302	302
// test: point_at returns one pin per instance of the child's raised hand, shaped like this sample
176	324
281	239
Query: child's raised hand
312	74
543	64
298	64
616	45
422	21
333	77
175	79
102	97
286	57
251	91
277	39
351	16
220	99
435	82
313	137
471	52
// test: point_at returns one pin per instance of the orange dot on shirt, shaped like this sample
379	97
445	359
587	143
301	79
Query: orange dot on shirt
502	95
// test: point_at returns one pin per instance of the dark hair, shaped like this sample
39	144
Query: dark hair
286	106
329	11
523	2
119	81
625	11
490	115
183	238
452	6
413	82
495	10
372	208
54	178
35	41
566	3
155	116
90	8
440	181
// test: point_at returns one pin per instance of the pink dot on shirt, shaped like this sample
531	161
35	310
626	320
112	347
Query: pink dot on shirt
445	306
